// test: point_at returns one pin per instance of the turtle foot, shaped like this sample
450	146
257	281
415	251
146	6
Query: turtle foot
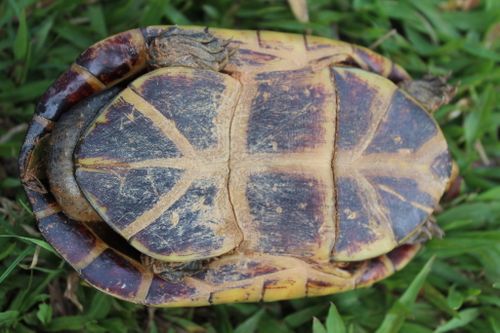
430	91
189	48
172	271
430	229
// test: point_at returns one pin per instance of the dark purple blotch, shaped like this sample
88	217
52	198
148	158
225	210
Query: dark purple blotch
287	210
287	113
405	126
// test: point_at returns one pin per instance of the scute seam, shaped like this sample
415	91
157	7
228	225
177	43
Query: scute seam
334	179
229	159
371	135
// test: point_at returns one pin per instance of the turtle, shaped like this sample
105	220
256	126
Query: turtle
187	166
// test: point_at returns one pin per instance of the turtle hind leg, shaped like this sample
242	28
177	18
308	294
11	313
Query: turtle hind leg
189	48
381	267
430	91
173	271
370	61
430	229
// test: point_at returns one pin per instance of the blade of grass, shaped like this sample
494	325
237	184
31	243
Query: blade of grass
20	257
334	322
396	316
298	318
463	318
250	325
318	326
39	242
22	38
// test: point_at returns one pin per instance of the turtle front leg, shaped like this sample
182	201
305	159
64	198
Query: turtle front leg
122	56
189	48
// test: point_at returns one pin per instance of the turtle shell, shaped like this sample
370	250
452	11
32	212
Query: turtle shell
301	155
189	164
154	164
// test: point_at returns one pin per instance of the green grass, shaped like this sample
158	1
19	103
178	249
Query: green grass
458	290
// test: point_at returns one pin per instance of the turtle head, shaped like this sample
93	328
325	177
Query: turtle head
189	48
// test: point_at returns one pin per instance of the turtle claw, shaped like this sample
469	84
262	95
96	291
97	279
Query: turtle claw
429	230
